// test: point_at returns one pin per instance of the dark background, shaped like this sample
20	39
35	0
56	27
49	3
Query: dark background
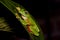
54	20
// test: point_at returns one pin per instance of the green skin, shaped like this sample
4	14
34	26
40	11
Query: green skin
33	27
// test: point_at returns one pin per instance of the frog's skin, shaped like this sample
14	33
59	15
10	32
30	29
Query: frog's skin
26	19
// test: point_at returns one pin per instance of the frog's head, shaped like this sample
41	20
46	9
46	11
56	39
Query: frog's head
22	11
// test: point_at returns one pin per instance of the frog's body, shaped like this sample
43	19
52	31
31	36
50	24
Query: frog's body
26	20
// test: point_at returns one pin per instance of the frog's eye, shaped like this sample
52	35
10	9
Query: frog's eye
26	12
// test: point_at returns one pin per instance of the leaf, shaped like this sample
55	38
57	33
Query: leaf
4	26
